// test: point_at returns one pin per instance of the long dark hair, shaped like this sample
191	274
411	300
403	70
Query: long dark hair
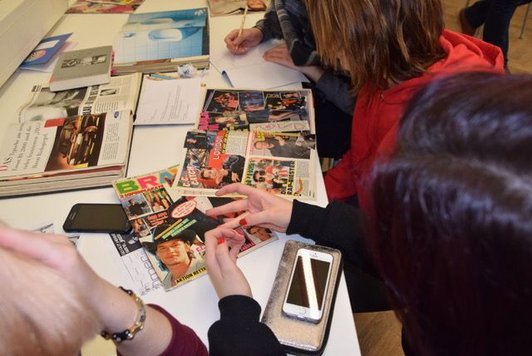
452	215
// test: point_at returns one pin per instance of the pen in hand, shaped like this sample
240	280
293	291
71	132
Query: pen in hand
242	24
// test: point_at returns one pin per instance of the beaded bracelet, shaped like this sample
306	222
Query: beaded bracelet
130	332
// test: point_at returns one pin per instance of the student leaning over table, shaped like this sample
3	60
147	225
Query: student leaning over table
390	49
334	101
450	222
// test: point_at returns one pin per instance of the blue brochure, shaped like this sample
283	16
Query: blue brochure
45	50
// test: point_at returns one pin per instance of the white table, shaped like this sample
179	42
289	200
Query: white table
154	148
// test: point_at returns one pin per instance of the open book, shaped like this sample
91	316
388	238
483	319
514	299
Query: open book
160	41
71	139
65	153
164	222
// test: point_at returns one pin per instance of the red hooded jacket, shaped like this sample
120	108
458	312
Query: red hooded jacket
377	113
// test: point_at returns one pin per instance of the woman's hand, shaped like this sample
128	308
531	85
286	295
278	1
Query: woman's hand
264	209
249	38
222	247
113	308
55	251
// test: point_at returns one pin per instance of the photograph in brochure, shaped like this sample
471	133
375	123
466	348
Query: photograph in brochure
159	41
45	50
81	68
65	153
238	109
165	223
290	178
205	170
282	144
120	94
104	6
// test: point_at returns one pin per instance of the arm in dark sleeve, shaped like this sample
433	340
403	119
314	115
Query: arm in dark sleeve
269	24
336	88
239	331
184	340
339	225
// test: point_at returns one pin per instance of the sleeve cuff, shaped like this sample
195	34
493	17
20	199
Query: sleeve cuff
239	307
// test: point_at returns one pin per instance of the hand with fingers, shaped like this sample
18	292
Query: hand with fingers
222	246
262	208
241	43
55	251
112	308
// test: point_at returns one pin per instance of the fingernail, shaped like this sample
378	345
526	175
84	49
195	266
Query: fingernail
221	240
243	222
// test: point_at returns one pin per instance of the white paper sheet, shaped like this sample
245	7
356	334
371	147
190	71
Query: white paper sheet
168	101
252	71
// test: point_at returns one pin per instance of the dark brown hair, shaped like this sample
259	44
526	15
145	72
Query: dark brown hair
383	42
452	211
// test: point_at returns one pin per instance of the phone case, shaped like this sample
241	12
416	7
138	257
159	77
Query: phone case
299	336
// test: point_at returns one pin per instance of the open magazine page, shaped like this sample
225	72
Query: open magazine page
137	263
38	151
290	178
120	94
211	160
224	109
165	224
282	163
297	145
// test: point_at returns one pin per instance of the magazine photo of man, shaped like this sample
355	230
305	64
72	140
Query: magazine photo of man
174	252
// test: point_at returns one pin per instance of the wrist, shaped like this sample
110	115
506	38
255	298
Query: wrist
115	309
129	332
258	33
313	72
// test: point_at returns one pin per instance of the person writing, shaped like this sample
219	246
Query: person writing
334	99
447	226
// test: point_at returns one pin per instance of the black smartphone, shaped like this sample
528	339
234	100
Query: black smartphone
97	218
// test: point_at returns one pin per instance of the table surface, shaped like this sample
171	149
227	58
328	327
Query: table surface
154	148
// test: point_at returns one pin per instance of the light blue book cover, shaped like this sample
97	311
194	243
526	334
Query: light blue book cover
163	35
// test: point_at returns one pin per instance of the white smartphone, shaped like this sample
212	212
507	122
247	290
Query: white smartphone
308	285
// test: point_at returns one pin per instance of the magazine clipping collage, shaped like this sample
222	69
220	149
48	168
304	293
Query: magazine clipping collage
264	139
170	229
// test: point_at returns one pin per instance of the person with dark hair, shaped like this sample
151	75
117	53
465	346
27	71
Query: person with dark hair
495	15
230	172
449	221
173	250
334	100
